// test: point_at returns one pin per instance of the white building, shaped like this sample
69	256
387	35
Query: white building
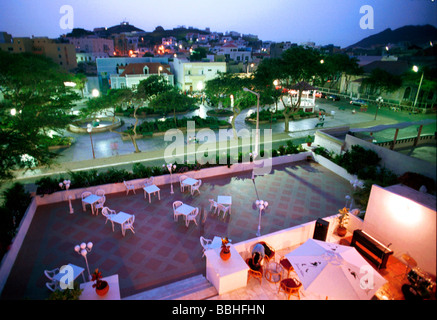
130	76
232	52
191	76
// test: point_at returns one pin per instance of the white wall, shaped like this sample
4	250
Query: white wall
409	225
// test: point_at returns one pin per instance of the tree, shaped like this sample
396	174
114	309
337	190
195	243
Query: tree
227	89
383	81
336	65
36	101
146	90
80	79
198	54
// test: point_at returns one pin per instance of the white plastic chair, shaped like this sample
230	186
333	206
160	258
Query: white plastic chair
206	244
100	204
192	217
182	178
149	181
129	225
52	286
51	273
129	187
100	192
108	213
176	205
84	195
213	205
196	187
224	209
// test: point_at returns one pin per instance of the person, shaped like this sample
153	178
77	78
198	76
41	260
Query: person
258	253
114	147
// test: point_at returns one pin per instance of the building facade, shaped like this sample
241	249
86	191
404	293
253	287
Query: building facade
130	76
192	76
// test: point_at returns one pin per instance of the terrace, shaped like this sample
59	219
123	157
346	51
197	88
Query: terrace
163	251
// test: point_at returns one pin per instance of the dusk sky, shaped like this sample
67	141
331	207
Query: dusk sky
320	21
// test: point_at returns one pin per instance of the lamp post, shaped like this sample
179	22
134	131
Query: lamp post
159	70
170	168
66	184
262	205
83	249
89	128
257	122
416	69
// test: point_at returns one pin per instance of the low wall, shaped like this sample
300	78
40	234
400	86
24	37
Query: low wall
103	128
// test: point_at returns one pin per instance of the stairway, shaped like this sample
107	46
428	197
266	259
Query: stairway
194	288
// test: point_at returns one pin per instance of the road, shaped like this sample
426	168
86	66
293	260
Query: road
79	155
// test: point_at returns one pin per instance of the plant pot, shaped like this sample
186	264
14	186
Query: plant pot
225	253
341	231
103	290
309	144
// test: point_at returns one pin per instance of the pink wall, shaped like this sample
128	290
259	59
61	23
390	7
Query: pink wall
407	219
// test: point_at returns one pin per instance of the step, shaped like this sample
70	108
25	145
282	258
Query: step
193	288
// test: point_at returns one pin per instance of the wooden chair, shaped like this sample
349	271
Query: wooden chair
254	271
269	251
291	287
286	265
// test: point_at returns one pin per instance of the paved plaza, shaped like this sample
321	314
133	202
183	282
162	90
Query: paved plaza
162	250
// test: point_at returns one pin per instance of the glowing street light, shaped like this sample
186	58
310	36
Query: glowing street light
171	167
89	128
95	93
416	69
262	205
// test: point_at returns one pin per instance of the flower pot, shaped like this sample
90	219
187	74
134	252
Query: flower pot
309	144
225	253
102	289
341	231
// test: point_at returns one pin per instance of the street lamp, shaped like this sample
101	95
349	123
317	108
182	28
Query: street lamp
83	250
89	128
416	69
159	70
170	168
66	184
262	205
256	153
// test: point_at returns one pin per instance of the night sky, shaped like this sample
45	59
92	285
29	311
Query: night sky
320	21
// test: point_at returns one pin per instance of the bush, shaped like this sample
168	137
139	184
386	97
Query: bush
357	158
416	180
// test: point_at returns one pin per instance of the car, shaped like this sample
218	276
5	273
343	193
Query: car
333	97
358	102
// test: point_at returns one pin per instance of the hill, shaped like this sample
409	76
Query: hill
414	35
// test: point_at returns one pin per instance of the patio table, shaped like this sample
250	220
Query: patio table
185	209
92	199
63	276
121	218
190	182
152	189
226	201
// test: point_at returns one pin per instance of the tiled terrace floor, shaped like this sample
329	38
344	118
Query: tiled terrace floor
162	250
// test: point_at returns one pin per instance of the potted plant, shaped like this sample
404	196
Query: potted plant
343	219
225	253
101	286
309	140
67	294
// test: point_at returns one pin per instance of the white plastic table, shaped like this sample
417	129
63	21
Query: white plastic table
190	182
64	276
184	209
152	189
92	199
89	293
121	218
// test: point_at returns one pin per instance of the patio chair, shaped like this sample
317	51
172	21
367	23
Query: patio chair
291	287
129	187
100	192
129	225
206	244
100	204
52	286
269	251
196	187
255	271
222	208
286	265
148	181
107	213
182	178
213	205
84	195
51	273
192	217
176	204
